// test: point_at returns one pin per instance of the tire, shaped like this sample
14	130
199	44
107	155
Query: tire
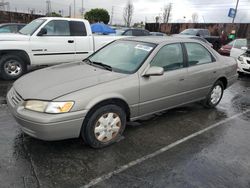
12	67
240	73
213	99
98	128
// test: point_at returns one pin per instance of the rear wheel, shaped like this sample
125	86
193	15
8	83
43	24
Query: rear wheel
104	127
215	95
12	67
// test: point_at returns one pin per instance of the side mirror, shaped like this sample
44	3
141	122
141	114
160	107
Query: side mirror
42	32
154	71
198	34
244	48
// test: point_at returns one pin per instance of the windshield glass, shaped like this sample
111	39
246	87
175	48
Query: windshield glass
189	32
32	27
123	56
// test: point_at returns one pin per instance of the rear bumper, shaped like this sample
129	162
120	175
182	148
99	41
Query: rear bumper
47	126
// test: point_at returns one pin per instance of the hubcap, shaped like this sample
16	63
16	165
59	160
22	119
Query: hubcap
12	68
216	94
107	127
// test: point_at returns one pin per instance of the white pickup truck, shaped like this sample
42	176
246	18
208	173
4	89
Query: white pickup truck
47	41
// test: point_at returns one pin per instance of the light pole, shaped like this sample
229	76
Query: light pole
236	8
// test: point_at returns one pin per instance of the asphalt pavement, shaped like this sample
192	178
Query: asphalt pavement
184	147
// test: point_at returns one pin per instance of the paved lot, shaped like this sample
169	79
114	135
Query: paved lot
185	147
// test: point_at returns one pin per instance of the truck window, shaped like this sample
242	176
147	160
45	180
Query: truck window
239	43
77	28
57	28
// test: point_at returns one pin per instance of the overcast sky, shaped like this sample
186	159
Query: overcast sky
146	10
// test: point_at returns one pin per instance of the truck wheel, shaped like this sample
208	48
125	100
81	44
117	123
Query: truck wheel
12	67
104	127
215	95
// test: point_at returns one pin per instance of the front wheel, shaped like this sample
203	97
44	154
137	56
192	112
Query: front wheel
215	95
104	127
12	67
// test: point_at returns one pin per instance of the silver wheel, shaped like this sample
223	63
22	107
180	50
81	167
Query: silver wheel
107	127
13	68
216	94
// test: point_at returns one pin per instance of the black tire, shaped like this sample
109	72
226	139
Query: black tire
16	60
207	103
240	73
88	129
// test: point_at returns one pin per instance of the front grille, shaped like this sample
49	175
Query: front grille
15	97
247	70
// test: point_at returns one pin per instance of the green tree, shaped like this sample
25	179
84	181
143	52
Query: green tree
97	15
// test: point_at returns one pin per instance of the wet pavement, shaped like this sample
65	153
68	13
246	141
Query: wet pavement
219	157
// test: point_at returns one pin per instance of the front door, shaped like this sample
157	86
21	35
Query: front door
57	46
161	92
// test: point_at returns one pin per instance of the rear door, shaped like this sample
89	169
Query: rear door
202	70
83	43
161	92
57	46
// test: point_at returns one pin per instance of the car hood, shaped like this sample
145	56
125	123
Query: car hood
53	82
13	37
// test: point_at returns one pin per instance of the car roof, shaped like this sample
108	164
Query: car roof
159	39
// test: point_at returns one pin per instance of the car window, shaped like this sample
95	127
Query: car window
138	33
20	27
8	29
128	33
123	56
197	54
169	57
239	43
58	28
77	28
5	30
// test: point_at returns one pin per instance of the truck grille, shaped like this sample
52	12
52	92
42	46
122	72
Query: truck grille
15	97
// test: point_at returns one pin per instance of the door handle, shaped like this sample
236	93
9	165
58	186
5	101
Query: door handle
71	41
215	72
181	79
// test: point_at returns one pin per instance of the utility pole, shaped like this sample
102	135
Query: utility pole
48	7
74	8
236	9
70	11
112	15
82	10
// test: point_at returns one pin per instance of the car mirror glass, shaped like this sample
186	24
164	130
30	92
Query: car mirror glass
42	32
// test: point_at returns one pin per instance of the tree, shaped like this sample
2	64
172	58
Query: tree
97	15
167	13
195	17
53	14
128	13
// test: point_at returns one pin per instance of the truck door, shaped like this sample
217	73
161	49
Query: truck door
55	46
83	43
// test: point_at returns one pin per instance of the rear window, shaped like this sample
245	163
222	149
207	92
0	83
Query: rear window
77	28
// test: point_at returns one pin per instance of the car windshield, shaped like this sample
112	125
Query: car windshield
123	56
189	32
32	27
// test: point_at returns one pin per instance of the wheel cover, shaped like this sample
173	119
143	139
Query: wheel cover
216	94
107	127
12	68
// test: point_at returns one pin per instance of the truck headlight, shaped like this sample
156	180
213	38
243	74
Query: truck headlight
49	107
240	58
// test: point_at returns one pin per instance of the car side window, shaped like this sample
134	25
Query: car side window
197	54
77	28
240	43
128	33
57	28
5	30
169	57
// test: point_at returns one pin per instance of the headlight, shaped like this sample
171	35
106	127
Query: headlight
240	58
49	107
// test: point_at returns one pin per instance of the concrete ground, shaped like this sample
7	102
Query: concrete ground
185	147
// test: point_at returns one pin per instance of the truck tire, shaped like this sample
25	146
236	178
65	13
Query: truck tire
12	67
104	126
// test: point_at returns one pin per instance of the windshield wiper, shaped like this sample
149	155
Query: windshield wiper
107	67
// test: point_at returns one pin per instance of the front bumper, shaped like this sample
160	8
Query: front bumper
243	67
45	126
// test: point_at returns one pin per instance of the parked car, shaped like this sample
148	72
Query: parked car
132	32
124	81
196	38
244	63
47	41
239	47
204	33
226	49
157	34
11	27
